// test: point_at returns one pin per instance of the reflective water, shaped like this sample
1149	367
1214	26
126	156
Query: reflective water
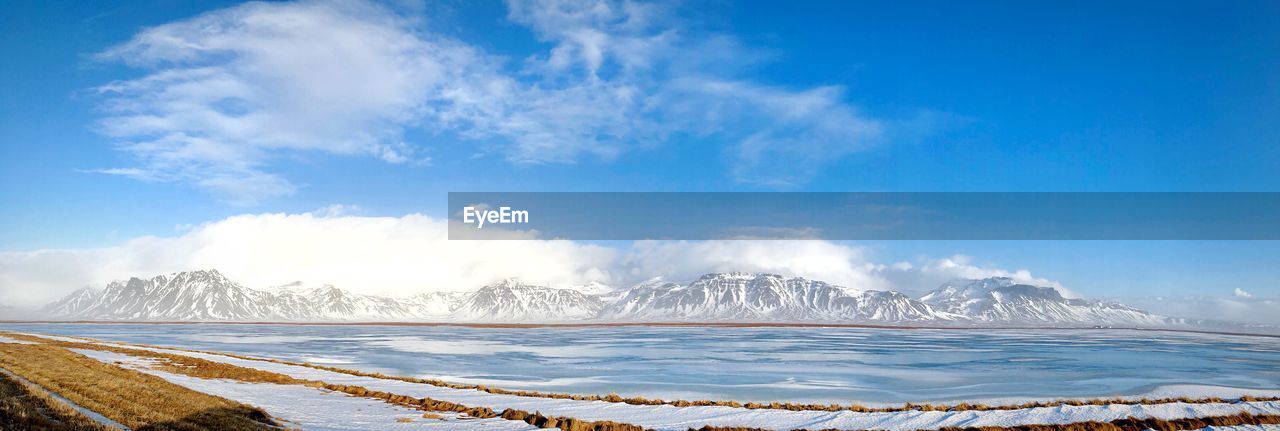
749	364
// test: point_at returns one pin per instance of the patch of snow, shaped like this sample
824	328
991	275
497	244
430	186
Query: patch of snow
56	337
4	339
315	409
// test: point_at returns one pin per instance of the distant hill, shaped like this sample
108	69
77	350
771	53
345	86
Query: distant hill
728	297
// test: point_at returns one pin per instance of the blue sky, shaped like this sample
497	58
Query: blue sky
634	96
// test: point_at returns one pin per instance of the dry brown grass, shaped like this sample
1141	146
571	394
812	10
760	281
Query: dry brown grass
433	405
180	364
139	401
25	407
615	398
566	423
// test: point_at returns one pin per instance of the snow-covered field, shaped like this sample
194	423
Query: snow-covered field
845	365
312	409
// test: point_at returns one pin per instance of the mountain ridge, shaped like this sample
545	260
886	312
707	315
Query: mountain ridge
207	295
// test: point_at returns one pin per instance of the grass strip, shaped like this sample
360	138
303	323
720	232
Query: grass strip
25	407
139	401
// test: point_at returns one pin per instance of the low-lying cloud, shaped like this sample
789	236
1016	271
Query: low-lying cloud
1225	308
412	254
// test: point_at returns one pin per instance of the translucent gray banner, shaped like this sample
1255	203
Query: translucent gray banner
864	216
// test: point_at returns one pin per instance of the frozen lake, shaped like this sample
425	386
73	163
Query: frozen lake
873	366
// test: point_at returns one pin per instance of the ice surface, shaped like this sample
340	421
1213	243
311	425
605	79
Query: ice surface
665	417
844	365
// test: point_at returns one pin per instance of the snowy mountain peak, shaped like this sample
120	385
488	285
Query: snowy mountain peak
191	295
1001	299
751	296
207	295
654	281
731	296
509	282
993	287
73	304
594	288
294	286
510	300
735	276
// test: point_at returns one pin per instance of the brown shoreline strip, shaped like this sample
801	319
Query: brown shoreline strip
615	398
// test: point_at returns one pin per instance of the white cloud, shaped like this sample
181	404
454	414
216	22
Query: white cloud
227	94
821	260
1240	293
794	133
229	90
382	255
662	83
411	254
1234	308
929	273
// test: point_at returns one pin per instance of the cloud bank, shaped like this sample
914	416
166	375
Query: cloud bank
226	95
1234	307
411	254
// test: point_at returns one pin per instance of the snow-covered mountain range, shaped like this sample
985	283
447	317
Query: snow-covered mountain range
729	297
210	296
1001	299
768	297
512	301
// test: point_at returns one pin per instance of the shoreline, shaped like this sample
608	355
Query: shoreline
577	325
1122	413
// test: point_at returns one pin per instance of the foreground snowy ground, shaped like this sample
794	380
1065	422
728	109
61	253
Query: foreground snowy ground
314	409
660	417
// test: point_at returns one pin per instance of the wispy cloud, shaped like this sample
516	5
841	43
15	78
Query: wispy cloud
229	91
227	94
